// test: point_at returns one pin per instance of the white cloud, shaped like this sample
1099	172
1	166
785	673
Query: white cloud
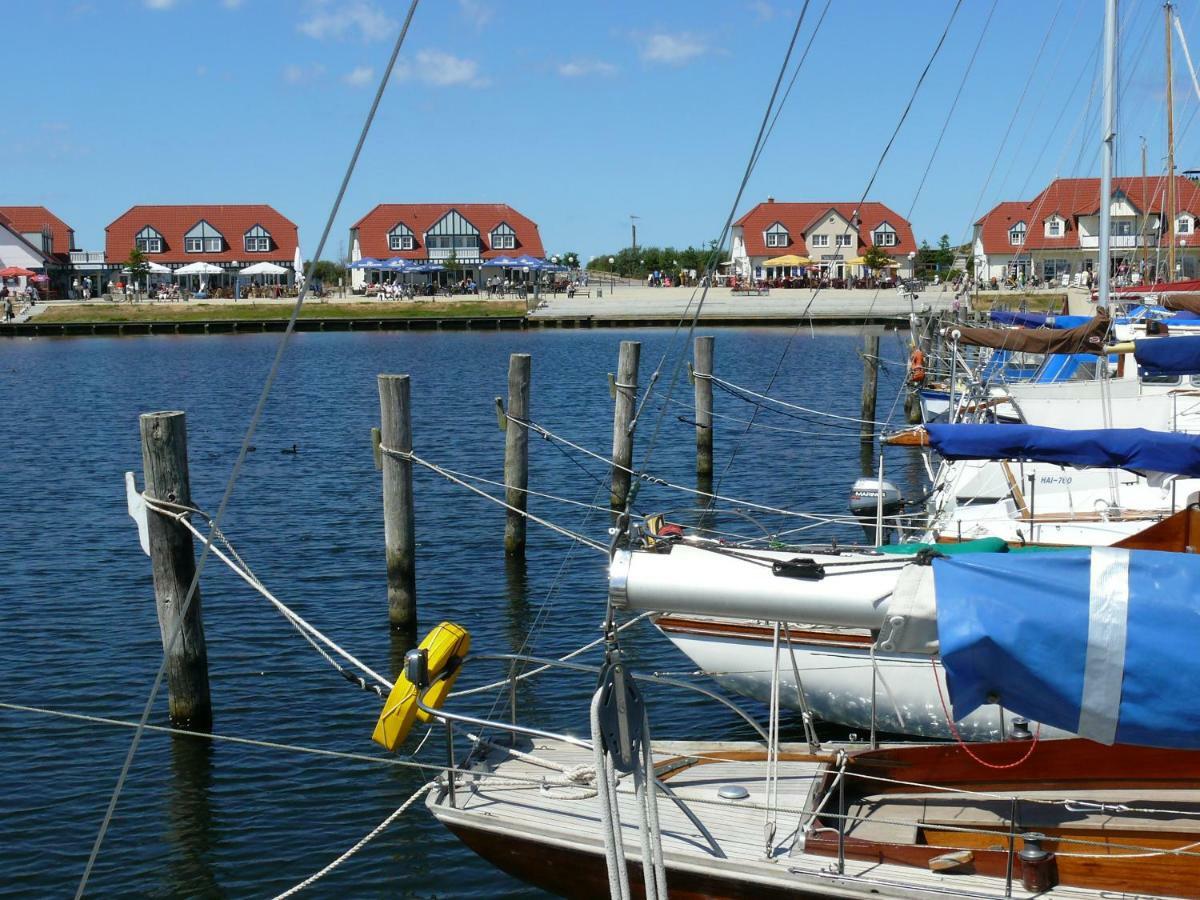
476	12
762	10
578	68
347	19
294	73
159	4
359	76
441	70
672	49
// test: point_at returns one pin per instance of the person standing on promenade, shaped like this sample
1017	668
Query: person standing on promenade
8	309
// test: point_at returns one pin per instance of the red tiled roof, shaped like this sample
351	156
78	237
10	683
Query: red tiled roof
1074	197
373	228
232	221
32	219
797	218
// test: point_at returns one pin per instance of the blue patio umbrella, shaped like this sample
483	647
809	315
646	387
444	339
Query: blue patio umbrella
529	261
367	262
397	264
502	262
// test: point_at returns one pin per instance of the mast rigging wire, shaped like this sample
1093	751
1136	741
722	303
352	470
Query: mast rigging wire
241	458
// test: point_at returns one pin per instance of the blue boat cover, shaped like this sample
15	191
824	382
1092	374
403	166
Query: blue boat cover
1138	449
1168	355
1024	319
1098	642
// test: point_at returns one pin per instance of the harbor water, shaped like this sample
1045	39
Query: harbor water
77	622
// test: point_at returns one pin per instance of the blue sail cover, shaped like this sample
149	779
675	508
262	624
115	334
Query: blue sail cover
1112	448
1024	319
1168	355
1099	642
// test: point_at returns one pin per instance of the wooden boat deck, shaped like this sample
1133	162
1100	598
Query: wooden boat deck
546	833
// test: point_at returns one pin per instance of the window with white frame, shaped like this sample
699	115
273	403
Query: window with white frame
1016	234
1183	225
401	238
503	237
149	241
257	240
777	236
1054	227
844	240
820	240
203	238
884	236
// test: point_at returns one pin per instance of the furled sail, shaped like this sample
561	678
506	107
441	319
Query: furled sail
1086	338
1136	449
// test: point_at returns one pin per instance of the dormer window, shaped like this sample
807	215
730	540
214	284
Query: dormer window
503	237
777	236
257	240
884	236
149	241
401	238
203	238
1054	227
1016	234
1183	225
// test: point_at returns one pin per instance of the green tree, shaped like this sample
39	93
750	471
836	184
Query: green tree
326	271
876	258
138	268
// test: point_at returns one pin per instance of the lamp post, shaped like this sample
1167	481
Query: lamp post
612	282
525	269
1179	265
912	264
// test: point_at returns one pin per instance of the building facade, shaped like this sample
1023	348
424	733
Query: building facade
230	237
35	238
830	235
1055	236
462	236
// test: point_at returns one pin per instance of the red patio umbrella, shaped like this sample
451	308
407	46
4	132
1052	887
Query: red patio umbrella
16	272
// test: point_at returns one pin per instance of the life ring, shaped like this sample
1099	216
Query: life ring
445	648
916	366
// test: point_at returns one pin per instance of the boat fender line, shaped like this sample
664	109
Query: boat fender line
1037	735
805	569
429	674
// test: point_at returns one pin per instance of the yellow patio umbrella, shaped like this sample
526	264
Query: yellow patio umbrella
857	261
789	260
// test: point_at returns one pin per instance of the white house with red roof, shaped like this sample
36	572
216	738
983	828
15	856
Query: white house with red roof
1056	234
466	234
32	237
828	234
231	236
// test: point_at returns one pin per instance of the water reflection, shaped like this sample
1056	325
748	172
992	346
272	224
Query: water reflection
189	820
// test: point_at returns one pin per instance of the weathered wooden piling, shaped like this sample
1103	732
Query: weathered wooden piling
173	563
870	386
702	367
516	453
398	522
625	390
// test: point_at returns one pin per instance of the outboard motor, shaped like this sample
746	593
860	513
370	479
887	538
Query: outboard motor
864	503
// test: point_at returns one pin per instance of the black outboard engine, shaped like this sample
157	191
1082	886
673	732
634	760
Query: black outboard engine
864	503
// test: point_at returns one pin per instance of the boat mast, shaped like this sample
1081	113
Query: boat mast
1108	134
1172	197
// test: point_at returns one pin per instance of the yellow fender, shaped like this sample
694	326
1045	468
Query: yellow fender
446	647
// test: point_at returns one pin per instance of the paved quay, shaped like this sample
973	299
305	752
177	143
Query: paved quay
644	304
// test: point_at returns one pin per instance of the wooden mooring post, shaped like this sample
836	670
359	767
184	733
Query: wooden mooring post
870	386
702	369
398	523
516	453
173	563
624	388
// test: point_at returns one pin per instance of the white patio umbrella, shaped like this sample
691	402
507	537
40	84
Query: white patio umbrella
298	265
199	268
264	268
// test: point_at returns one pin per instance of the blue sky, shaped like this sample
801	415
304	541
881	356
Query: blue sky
578	114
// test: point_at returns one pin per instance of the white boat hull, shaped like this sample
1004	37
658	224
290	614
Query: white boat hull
838	675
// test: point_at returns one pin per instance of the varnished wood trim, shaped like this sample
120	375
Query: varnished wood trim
751	631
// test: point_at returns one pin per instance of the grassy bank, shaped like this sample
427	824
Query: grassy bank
103	311
1047	303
